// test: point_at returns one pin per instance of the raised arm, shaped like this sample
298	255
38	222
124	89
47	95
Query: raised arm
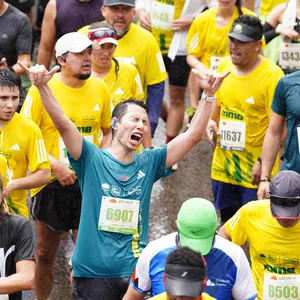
39	76
48	36
183	143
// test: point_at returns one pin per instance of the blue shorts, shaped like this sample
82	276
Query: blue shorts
230	195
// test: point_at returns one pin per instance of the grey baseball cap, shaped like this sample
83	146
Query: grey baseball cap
285	195
119	2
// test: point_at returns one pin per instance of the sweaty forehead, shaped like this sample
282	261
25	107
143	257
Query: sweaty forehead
133	110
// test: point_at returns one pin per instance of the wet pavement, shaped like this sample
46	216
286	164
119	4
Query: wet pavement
192	179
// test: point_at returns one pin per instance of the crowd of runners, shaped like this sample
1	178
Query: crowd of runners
76	132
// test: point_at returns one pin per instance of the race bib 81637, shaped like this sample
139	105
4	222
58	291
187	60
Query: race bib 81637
232	135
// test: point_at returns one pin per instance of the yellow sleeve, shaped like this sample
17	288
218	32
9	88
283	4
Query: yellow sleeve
137	88
36	152
193	39
236	227
106	111
207	297
155	71
33	107
84	30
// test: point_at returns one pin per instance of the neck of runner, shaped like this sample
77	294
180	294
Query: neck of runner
120	153
101	71
71	81
225	13
3	8
243	70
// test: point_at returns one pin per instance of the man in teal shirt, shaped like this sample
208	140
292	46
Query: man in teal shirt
116	186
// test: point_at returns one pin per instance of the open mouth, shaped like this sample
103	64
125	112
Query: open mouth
136	138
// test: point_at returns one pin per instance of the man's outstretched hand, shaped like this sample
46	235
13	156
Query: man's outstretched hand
211	81
38	74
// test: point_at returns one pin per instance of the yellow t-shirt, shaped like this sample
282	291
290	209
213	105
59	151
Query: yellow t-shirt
88	107
3	170
123	85
267	5
163	296
23	147
245	101
162	15
206	40
138	47
273	248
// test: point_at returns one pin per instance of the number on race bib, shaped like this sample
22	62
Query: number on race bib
284	292
118	214
233	135
281	287
289	55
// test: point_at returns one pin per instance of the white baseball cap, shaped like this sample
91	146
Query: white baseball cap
74	42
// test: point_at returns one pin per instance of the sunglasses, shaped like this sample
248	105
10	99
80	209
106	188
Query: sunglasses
100	34
285	201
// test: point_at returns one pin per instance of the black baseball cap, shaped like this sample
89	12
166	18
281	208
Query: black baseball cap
119	2
285	195
181	280
244	33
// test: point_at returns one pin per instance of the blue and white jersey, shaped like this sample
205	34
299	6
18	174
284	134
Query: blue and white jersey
228	270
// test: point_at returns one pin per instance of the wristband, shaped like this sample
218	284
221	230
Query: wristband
265	180
207	98
259	160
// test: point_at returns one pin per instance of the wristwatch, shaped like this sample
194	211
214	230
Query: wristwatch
207	98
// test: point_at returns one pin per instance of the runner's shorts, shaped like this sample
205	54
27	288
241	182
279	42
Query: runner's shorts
57	206
178	70
99	288
228	195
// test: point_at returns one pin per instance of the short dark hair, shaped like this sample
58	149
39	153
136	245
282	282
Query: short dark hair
9	79
253	22
121	109
185	256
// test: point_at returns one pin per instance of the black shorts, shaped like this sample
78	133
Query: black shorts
99	288
178	70
57	206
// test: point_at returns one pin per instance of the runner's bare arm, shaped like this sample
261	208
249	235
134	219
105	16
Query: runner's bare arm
223	233
270	150
22	280
39	76
33	180
183	143
48	35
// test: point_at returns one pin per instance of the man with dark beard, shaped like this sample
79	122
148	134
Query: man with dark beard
86	101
